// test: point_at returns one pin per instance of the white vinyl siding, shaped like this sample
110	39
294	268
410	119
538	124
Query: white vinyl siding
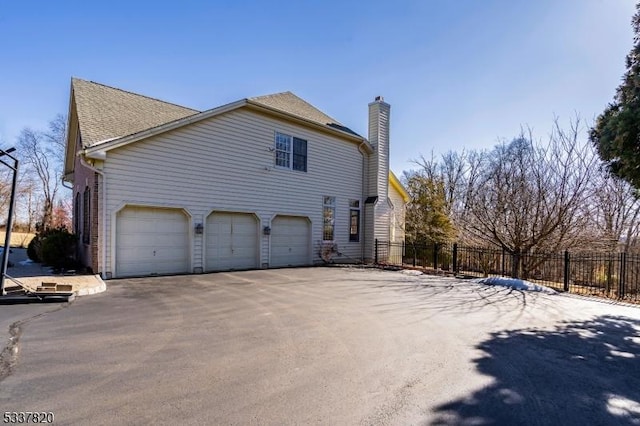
226	163
378	177
398	214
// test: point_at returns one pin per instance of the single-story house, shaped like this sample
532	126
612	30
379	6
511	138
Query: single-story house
264	182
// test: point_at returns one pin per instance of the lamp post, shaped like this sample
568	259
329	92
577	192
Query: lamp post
12	201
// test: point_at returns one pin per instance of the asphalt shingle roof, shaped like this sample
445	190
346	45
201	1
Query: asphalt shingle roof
106	112
291	104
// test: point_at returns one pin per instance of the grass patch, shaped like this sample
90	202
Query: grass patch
18	239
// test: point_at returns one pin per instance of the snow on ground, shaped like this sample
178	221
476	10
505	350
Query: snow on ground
515	283
411	272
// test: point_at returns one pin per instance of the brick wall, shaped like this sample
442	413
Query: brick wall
94	223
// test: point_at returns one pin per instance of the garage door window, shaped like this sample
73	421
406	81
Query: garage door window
328	214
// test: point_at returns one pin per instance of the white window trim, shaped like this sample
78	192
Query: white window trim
333	224
359	209
289	152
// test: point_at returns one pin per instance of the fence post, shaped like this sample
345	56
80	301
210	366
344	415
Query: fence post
435	256
503	262
375	258
567	270
623	272
415	254
455	258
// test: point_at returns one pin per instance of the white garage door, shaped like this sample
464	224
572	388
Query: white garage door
232	241
290	241
151	241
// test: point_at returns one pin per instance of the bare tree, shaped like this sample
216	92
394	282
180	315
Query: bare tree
530	196
42	154
56	137
5	192
615	210
523	196
458	172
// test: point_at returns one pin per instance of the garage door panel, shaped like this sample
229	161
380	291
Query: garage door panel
244	252
169	240
151	241
290	241
231	241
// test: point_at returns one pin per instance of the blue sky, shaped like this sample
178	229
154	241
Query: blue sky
457	73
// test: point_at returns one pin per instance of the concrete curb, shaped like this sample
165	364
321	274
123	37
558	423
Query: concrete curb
93	290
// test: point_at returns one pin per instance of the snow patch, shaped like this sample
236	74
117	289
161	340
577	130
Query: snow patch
515	283
26	262
411	272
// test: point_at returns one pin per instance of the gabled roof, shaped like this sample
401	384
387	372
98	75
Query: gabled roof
106	113
109	117
292	104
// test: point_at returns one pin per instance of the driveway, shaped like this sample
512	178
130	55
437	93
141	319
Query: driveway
324	346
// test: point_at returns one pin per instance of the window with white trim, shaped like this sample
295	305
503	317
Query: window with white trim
354	221
329	218
291	152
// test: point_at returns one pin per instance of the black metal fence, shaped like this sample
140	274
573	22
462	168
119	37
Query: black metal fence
612	275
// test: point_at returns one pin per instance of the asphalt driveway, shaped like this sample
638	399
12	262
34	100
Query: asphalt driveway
322	346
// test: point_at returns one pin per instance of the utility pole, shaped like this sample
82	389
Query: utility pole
12	202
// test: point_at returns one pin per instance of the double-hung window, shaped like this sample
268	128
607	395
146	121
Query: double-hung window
291	152
354	221
329	218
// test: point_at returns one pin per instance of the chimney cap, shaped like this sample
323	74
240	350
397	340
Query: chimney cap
379	99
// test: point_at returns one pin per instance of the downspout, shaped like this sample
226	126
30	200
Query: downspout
362	207
104	211
68	187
